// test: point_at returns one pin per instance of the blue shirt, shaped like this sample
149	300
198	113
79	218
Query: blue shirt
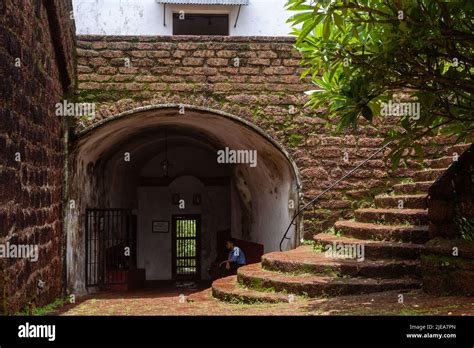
236	255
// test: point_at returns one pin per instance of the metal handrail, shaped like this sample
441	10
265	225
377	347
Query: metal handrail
328	189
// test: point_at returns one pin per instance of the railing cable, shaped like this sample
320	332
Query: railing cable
311	202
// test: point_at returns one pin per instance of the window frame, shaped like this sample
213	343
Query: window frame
175	14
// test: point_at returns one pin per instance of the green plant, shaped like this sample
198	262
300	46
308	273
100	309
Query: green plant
365	54
295	139
407	181
318	248
307	242
464	224
45	310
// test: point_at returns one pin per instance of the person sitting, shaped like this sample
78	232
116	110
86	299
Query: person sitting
235	260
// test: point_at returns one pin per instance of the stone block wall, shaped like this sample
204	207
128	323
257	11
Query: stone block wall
447	267
451	200
37	65
256	78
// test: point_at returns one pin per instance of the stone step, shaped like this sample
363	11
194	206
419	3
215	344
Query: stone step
395	233
459	149
445	247
254	277
409	201
413	187
374	249
440	163
392	216
428	174
227	289
305	259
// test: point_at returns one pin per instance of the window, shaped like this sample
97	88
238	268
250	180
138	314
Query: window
186	260
200	24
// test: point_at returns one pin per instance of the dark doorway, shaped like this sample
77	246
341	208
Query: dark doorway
110	246
200	24
233	197
186	247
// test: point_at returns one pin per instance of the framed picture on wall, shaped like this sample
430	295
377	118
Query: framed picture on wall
160	226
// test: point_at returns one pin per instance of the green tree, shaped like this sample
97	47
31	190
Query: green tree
363	53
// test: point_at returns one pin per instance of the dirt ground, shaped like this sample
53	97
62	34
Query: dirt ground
175	301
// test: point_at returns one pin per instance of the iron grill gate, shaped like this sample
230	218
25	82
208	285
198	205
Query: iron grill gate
186	247
110	246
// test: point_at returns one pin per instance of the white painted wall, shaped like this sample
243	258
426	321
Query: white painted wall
154	249
154	203
145	17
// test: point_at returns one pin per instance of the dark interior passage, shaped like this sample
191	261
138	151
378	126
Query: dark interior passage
161	166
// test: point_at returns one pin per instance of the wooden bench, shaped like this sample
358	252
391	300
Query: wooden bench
253	251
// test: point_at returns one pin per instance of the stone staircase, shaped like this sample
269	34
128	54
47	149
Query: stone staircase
392	235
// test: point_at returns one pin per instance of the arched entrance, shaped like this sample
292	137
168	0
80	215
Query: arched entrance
156	164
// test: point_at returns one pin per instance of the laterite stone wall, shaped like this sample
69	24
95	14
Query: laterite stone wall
256	78
37	65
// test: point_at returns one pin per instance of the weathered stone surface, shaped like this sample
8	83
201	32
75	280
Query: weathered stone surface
361	230
448	271
304	260
227	289
254	277
258	78
407	201
452	196
429	174
392	216
31	185
391	236
413	188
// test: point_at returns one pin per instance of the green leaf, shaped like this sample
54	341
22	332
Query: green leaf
403	27
418	150
338	20
415	55
374	106
327	28
306	29
355	33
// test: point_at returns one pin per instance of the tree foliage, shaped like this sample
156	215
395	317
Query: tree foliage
363	53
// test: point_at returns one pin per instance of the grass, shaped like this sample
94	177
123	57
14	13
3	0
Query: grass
307	242
295	139
318	248
45	310
404	223
403	311
256	284
332	230
406	181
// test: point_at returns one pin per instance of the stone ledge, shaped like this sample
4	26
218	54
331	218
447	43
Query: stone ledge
186	38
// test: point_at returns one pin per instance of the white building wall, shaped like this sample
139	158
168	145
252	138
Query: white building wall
154	249
145	17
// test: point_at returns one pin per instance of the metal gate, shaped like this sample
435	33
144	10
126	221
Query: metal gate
110	246
186	247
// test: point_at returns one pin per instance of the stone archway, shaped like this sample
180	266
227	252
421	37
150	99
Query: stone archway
117	163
